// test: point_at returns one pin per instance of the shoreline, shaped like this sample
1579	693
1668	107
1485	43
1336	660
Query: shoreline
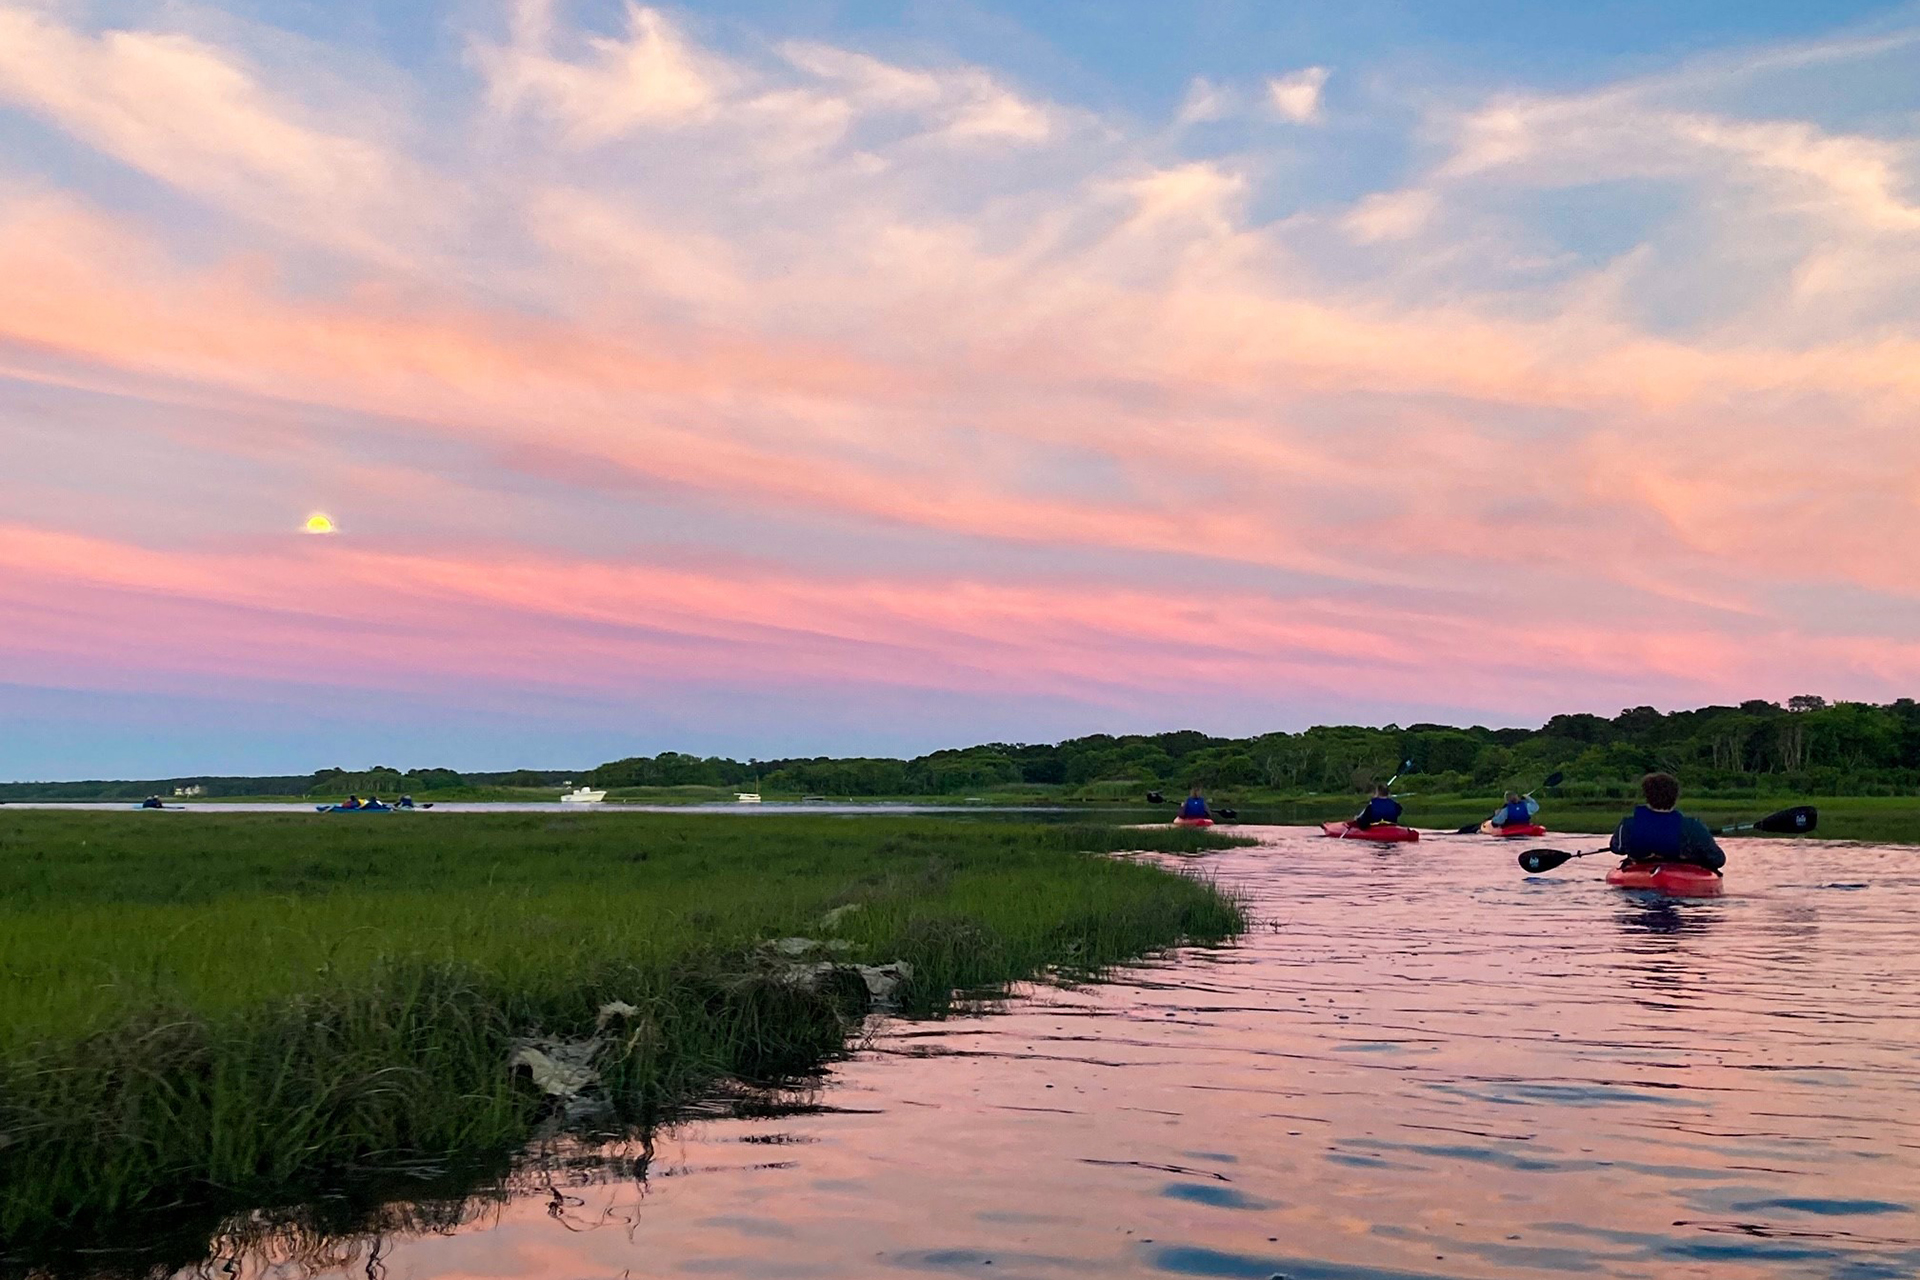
243	1055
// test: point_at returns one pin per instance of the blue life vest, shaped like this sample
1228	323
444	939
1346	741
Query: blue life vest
1193	807
1650	834
1383	809
1517	814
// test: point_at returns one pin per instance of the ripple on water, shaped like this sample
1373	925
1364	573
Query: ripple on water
1421	1065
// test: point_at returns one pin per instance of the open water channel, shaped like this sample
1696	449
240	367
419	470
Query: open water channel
1421	1063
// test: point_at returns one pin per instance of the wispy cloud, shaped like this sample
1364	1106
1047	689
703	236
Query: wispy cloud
1632	349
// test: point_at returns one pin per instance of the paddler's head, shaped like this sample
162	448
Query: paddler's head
1513	797
1380	789
1662	791
1194	790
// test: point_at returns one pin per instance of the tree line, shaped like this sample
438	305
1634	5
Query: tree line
1806	745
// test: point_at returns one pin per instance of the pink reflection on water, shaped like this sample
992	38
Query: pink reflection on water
1420	1062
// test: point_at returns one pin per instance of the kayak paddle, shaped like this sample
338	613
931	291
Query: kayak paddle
1553	780
1534	861
1154	797
1788	822
1793	821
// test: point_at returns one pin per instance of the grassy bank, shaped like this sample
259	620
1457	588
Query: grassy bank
218	1011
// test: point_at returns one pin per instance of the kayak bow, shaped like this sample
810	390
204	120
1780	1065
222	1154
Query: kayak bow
1677	879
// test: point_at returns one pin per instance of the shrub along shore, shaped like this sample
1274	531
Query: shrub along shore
202	1014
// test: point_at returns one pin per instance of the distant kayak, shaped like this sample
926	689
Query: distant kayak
1193	822
363	808
1676	878
1531	829
1383	833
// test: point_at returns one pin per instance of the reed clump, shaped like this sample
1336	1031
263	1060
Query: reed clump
205	1014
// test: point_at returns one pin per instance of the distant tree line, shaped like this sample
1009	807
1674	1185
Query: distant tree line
381	779
141	788
1807	745
378	780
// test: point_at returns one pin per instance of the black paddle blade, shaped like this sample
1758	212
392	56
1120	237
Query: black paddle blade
1468	830
1787	822
1534	861
1154	797
1553	780
1228	814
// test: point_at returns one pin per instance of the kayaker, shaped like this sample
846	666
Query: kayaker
152	802
353	802
1658	832
1518	812
1195	805
1381	810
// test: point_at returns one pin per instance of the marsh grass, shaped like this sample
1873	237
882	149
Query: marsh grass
201	1014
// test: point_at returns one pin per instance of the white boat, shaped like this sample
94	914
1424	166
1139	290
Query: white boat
583	795
746	797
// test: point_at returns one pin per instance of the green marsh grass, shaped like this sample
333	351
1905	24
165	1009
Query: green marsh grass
202	1013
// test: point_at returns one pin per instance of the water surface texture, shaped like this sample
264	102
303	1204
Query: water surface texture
1421	1063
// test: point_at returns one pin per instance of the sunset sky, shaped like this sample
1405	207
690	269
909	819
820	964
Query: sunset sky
840	377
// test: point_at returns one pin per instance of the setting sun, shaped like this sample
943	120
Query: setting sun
317	523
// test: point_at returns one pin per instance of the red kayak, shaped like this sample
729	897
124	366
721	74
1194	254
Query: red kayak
1382	833
1531	829
1675	878
1193	822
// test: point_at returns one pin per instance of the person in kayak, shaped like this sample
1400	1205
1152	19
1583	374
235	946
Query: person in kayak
152	802
1381	810
1658	832
1195	805
353	802
1518	812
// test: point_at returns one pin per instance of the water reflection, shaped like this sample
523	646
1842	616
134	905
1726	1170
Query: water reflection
1418	1065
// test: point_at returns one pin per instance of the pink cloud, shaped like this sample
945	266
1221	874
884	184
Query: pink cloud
1237	456
323	611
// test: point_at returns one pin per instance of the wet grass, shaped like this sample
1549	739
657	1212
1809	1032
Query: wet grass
202	1013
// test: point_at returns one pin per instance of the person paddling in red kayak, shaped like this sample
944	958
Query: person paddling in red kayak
1658	832
1194	807
1381	810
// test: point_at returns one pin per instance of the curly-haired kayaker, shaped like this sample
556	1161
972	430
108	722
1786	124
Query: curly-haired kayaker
1658	832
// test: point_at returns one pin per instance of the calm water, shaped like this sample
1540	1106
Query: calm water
1421	1063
